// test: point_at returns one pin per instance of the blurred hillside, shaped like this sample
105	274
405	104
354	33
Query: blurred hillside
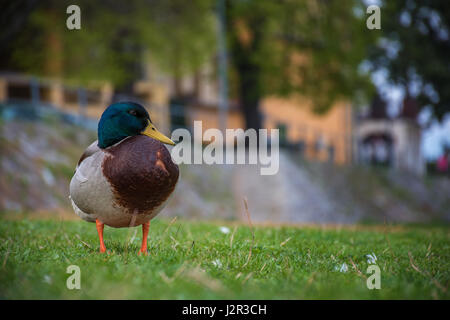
39	153
37	162
38	159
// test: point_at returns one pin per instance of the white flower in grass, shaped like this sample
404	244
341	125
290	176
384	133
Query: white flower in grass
371	258
217	263
47	279
343	268
224	230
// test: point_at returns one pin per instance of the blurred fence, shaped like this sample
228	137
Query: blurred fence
30	97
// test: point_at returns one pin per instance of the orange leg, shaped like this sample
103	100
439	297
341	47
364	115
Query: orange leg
145	228
100	226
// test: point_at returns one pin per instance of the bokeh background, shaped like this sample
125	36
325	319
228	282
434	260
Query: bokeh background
364	115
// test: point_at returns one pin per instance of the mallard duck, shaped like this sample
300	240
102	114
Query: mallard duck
126	177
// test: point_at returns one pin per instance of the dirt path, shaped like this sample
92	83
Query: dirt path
289	196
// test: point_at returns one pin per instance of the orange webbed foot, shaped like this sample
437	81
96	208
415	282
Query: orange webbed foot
100	227
145	228
145	253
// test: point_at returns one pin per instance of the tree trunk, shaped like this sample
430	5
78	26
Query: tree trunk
250	94
248	70
249	91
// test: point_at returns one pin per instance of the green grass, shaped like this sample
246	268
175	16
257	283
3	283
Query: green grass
195	260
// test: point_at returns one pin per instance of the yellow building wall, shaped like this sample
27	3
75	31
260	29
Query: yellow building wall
332	128
210	118
302	125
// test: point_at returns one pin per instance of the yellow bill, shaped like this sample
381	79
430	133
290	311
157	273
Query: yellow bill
151	132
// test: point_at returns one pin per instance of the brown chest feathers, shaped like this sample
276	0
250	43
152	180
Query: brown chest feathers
141	173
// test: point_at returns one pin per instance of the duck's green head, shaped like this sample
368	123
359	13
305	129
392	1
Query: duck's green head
126	119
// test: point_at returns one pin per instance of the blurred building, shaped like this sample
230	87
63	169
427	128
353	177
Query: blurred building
78	100
178	103
374	139
321	137
391	142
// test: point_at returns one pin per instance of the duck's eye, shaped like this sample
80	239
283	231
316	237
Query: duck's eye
132	112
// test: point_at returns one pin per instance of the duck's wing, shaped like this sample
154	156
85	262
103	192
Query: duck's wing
84	182
93	148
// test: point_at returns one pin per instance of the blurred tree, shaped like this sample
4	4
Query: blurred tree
13	14
45	47
415	50
310	47
179	35
114	40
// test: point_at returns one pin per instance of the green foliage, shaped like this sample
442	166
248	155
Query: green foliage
115	38
179	35
190	260
309	47
415	50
